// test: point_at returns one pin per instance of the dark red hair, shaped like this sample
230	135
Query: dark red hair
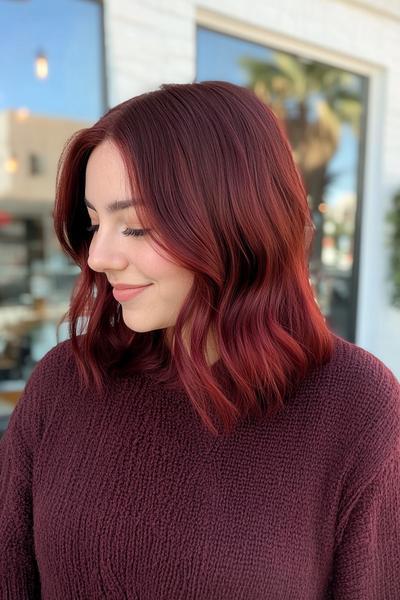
223	198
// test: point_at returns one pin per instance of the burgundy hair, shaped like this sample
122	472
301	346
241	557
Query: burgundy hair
223	198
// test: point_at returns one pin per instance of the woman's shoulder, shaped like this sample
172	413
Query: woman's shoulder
361	395
56	363
357	372
362	403
50	380
54	371
61	350
355	361
354	378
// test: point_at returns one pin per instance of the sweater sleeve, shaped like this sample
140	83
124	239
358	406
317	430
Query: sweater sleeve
367	559
366	562
19	575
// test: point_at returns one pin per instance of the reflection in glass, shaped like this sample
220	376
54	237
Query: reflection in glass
322	109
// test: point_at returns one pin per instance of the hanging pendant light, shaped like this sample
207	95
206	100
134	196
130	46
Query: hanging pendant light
41	65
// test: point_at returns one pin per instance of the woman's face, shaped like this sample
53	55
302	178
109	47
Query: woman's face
126	259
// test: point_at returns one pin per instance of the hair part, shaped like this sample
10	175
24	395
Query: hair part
222	196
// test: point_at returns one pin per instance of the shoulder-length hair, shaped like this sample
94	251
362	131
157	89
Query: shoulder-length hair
223	197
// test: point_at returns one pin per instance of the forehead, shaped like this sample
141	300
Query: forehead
105	166
106	182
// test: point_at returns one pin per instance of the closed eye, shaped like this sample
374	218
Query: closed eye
127	231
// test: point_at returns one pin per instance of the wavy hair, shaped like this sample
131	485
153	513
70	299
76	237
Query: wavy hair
222	196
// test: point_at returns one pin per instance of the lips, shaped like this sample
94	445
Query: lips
128	292
128	286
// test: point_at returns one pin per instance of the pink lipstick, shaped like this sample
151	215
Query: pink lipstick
123	295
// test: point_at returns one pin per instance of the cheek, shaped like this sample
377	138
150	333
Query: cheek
154	268
181	283
161	268
173	281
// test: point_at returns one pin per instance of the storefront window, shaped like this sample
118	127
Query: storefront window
51	84
323	110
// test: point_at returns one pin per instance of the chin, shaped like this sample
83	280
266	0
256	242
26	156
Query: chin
135	324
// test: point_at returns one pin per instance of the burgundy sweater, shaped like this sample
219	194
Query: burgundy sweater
127	496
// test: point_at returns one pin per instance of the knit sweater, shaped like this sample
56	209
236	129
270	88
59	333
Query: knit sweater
126	495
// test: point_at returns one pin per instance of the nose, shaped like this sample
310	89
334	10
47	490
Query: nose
105	255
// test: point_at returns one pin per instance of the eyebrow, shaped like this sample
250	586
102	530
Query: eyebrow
116	206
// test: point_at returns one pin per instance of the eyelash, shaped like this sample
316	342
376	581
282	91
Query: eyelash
127	231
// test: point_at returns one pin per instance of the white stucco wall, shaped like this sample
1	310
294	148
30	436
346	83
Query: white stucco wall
149	42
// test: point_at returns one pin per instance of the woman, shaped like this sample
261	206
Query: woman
205	436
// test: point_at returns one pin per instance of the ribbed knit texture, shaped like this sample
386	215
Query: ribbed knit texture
127	496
